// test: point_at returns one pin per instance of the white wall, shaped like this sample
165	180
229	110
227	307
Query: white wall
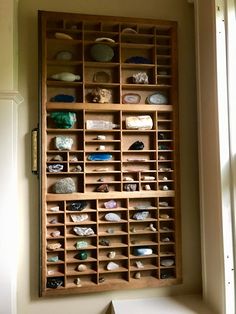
28	268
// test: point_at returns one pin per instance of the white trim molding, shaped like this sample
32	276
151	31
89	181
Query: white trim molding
11	95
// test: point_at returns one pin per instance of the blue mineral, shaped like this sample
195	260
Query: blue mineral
99	157
63	98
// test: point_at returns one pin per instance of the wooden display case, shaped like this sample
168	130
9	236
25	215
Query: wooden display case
137	180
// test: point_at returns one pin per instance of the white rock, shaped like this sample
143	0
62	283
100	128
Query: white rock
167	262
83	231
141	215
112	254
112	217
112	266
82	267
79	218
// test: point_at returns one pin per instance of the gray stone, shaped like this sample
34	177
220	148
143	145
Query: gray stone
82	267
64	186
167	262
130	187
79	218
112	266
141	215
112	217
55	168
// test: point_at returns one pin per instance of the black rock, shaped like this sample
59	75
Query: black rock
104	242
77	206
54	283
137	146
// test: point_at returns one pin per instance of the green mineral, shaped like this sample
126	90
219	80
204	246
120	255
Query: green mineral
53	259
81	244
63	119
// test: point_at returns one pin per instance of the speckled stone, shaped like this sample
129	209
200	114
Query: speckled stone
64	186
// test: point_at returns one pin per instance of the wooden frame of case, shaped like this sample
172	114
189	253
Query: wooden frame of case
152	39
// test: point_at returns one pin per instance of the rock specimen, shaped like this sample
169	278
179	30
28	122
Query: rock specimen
81	245
165	239
54	209
79	218
102	188
148	178
57	158
142	251
55	233
140	78
112	254
130	187
64	186
165	188
74	158
101	137
54	283
64	55
112	266
66	77
53	259
53	246
112	217
110	230
63	142
55	168
82	267
152	228
110	204
137	275
104	242
139	123
77	206
77	168
77	282
163	204
101	95
81	255
101	279
128	179
139	264
147	187
141	215
63	98
137	146
59	35
83	231
63	119
99	157
167	262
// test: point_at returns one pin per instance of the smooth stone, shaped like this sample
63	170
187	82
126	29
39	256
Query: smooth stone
51	272
137	275
165	188
57	158
55	234
139	123
64	55
64	186
82	267
54	209
147	187
54	283
99	157
130	187
63	142
112	254
141	251
66	77
81	245
137	146
104	242
53	246
112	266
166	239
141	215
59	35
112	217
77	206
53	259
63	98
53	221
102	188
83	231
101	147
82	255
167	262
79	218
110	204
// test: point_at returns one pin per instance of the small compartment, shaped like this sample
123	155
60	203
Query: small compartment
142	227
145	52
53	207
167	250
80	217
52	23
129	28
134	38
110	51
113	241
108	254
53	179
167	225
55	46
112	228
146	29
55	270
70	89
114	278
55	219
57	157
143	203
81	268
112	117
147	124
81	281
110	27
146	138
80	205
146	275
120	204
143	215
85	234
102	167
104	146
78	124
104	74
73	25
108	217
55	282
168	273
55	257
102	94
143	240
84	244
103	187
55	232
54	245
138	76
119	266
77	138
166	237
143	264
99	179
